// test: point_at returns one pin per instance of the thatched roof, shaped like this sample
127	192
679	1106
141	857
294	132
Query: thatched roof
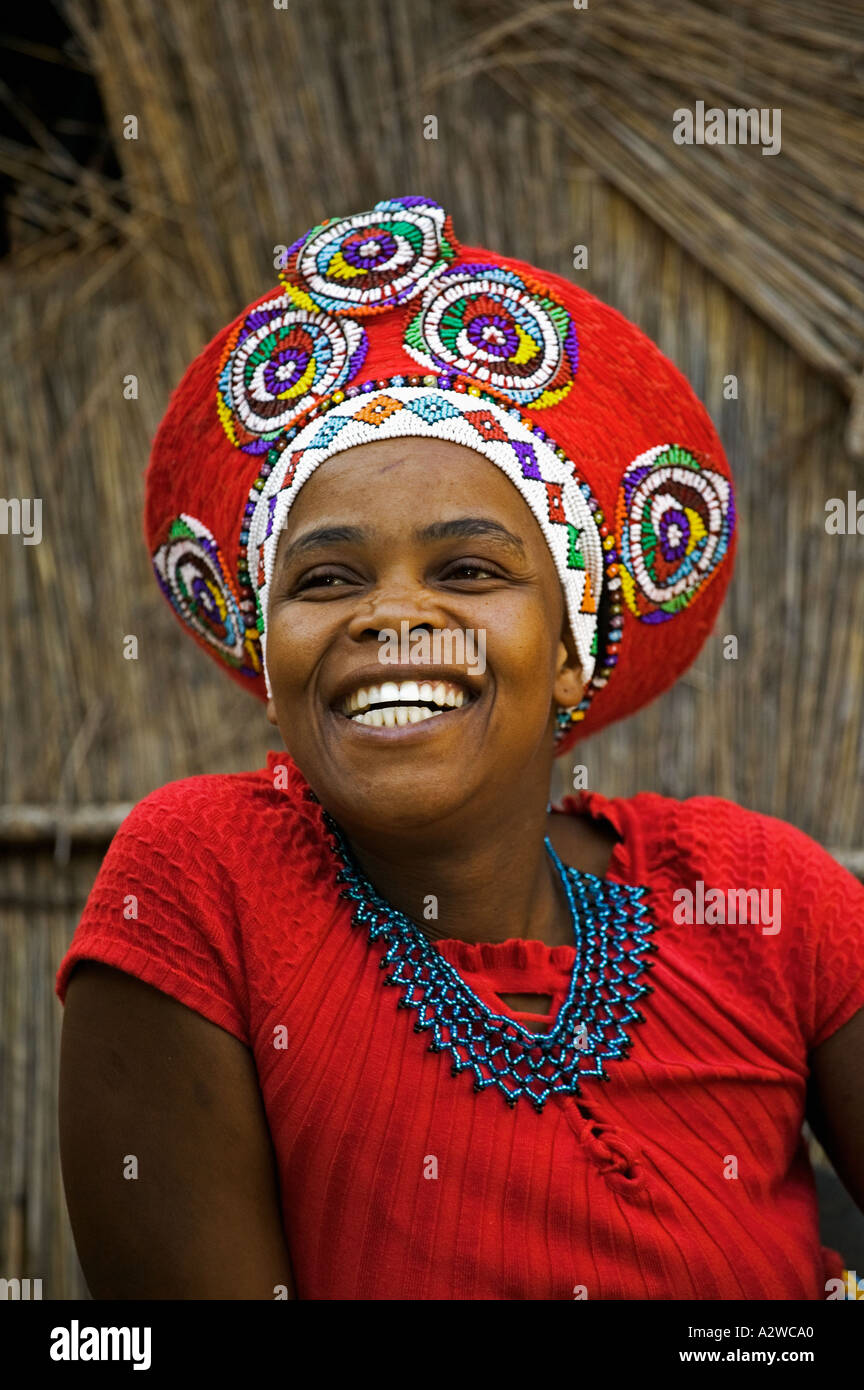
785	230
554	128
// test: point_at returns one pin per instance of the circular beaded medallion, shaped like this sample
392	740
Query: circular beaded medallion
194	579
484	320
674	519
374	260
282	357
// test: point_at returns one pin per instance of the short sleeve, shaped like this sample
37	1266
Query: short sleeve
162	909
829	901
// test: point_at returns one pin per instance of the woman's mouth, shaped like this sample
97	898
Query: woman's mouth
395	704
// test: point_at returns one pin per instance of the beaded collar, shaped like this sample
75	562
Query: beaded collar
611	924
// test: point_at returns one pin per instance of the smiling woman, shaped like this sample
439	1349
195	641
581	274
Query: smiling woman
550	492
338	588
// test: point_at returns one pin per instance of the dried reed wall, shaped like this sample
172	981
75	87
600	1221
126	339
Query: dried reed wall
253	124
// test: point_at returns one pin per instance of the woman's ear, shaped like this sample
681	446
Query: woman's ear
569	683
271	713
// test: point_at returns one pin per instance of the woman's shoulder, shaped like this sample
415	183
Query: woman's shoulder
759	903
190	868
713	831
219	809
225	834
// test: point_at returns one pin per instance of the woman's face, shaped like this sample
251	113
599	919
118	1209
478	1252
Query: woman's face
416	536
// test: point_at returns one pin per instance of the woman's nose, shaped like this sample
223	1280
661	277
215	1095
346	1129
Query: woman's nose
393	603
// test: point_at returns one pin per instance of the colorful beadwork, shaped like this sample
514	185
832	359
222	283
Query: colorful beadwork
486	321
374	260
456	319
194	579
674	520
454	408
611	925
283	356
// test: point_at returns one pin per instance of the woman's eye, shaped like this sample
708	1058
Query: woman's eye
471	569
320	579
467	570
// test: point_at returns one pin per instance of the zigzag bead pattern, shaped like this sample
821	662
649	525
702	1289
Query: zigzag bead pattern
454	408
611	926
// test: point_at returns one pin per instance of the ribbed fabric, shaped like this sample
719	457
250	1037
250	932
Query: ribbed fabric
622	1191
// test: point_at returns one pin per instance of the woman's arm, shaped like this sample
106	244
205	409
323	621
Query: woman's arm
144	1077
835	1102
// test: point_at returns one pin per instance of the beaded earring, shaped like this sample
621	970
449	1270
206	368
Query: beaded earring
563	720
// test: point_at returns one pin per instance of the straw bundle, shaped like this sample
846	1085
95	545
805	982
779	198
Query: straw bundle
786	235
554	128
251	126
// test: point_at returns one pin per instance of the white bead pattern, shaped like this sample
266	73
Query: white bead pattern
432	412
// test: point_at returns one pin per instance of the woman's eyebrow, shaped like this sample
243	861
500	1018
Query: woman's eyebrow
321	535
463	527
326	535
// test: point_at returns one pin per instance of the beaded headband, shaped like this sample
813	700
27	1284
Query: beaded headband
604	439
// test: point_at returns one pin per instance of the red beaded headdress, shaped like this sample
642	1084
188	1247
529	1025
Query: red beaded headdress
383	325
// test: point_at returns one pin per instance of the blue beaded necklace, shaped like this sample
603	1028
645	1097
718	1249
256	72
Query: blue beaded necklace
610	927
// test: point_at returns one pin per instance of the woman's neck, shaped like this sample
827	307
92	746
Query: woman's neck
502	885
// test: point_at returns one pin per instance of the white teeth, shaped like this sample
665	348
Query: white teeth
391	716
404	694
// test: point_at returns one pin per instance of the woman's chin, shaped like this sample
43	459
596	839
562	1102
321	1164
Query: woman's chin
399	804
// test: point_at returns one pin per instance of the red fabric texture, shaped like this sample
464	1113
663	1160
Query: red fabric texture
626	398
621	1192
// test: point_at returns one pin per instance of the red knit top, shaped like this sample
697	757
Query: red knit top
682	1175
